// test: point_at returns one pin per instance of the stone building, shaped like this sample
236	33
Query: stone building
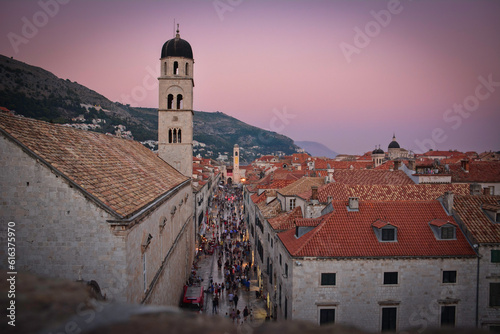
364	264
479	217
92	207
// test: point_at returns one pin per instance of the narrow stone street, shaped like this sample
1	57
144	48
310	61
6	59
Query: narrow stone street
209	271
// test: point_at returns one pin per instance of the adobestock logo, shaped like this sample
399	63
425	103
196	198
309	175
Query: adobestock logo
30	28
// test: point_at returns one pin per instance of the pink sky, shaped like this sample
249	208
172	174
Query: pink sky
279	65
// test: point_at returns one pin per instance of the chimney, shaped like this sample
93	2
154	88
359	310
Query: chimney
396	164
486	191
314	194
475	189
465	165
411	164
448	201
353	204
330	175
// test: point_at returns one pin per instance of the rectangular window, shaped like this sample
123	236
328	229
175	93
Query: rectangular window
495	256
494	294
286	269
391	277
292	203
388	234
280	259
326	316
447	232
450	276
448	316
328	279
389	318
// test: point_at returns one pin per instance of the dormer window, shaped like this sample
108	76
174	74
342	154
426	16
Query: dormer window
492	211
388	234
385	231
447	232
443	229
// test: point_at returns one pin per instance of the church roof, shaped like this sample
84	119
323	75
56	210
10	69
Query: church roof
394	143
177	47
119	174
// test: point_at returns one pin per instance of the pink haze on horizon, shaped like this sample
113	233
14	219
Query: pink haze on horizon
300	68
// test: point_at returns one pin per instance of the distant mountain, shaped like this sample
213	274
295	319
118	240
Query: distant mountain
316	149
34	92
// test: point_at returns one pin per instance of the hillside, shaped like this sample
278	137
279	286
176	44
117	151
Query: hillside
34	92
316	149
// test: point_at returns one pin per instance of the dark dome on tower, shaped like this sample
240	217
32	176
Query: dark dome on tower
394	143
177	47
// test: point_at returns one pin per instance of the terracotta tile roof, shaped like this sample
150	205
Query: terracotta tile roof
276	184
271	209
371	177
308	222
350	234
442	222
409	192
300	157
380	223
479	171
285	220
350	164
122	174
256	198
265	158
475	219
301	185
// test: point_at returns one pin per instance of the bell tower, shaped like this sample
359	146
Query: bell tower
236	164
175	108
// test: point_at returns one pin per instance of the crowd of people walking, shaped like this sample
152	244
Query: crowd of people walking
226	233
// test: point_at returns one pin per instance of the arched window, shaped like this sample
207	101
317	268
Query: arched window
187	69
179	101
176	68
175	135
165	68
170	101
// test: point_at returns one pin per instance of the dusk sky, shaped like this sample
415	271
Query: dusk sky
346	74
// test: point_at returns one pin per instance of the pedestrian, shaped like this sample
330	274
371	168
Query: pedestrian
215	304
245	313
231	297
233	315
235	299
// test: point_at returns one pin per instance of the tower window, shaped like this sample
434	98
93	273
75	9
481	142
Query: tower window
170	101
174	135
176	68
165	68
179	101
187	69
